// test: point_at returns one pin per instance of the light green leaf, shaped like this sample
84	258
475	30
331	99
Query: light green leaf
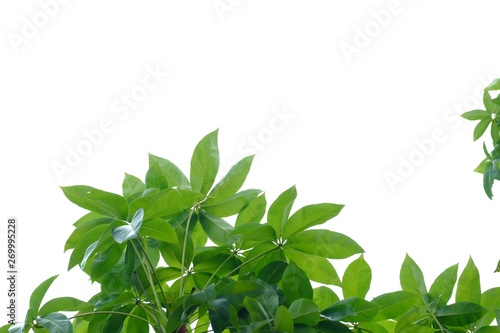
357	278
443	286
283	321
280	210
407	322
172	173
254	212
38	294
324	243
105	203
460	314
56	323
136	325
159	229
304	311
324	297
254	232
255	309
296	284
476	115
62	304
155	177
165	203
411	277
481	128
131	185
317	268
205	163
232	205
394	304
469	286
104	262
232	182
309	216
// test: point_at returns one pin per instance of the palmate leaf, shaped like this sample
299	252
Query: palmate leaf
443	286
56	323
38	294
304	311
411	277
254	212
324	243
280	210
231	182
232	205
460	314
131	185
317	268
324	297
173	175
394	304
155	177
296	284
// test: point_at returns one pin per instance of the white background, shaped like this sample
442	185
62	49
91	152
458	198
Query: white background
352	118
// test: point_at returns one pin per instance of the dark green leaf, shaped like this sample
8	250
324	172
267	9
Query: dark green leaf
353	309
255	309
469	286
258	257
205	163
460	314
304	311
296	284
105	203
309	216
272	273
217	229
324	243
411	277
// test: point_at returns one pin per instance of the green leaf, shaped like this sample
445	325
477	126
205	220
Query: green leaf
254	232
232	182
283	321
324	243
255	309
407	322
304	311
481	128
80	250
130	231
490	299
165	203
104	262
137	325
254	212
105	203
327	326
317	268
62	304
469	286
488	329
155	177
236	292
280	210
174	176
56	323
411	277
460	314
232	205
309	216
476	115
272	273
296	284
394	304
83	229
38	294
491	173
217	229
132	185
258	257
353	309
324	297
443	286
159	229
357	278
205	163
